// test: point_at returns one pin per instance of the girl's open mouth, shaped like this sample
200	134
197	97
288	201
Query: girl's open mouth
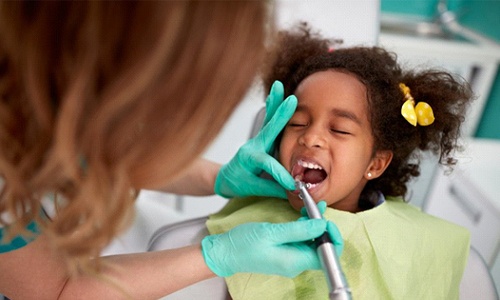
309	172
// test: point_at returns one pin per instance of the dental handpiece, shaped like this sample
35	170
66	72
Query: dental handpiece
337	283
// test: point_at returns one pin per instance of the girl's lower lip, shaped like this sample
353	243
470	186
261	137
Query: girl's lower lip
312	190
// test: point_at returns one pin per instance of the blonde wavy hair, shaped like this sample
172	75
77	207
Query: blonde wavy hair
100	98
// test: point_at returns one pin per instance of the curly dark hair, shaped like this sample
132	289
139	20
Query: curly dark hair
300	53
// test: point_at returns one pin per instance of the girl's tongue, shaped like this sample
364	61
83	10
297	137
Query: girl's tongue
313	176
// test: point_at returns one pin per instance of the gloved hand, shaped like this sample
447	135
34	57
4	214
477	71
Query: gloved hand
240	177
280	249
333	230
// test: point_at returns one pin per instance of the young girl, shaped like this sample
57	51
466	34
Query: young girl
360	125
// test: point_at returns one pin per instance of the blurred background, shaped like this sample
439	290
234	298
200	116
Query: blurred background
480	16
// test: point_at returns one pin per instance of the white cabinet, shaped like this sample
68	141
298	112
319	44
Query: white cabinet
469	196
457	199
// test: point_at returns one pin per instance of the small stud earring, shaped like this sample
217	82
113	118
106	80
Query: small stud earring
369	175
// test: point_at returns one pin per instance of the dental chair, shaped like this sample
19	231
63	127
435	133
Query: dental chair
477	282
183	234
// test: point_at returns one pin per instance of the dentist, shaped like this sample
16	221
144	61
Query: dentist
101	99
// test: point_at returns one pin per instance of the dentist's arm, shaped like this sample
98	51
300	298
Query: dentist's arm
35	271
197	180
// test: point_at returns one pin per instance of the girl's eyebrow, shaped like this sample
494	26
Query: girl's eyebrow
337	112
342	113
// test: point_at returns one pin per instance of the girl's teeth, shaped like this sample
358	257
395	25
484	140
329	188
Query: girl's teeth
309	165
311	185
308	184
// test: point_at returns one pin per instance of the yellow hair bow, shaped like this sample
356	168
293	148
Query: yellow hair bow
421	114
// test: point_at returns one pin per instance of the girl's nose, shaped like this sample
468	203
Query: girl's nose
312	137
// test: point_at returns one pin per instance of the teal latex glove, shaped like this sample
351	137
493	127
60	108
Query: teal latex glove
240	177
279	249
333	230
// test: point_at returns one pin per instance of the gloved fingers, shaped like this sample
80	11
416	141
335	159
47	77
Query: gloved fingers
279	120
256	162
225	183
291	232
270	165
264	248
242	178
336	237
305	257
239	176
214	252
321	206
334	233
331	228
267	187
273	100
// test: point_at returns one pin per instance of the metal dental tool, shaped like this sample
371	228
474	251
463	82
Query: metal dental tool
337	284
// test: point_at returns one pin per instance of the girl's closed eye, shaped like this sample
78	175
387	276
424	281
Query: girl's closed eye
339	131
298	121
297	124
341	127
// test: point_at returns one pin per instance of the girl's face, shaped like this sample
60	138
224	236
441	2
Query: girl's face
328	142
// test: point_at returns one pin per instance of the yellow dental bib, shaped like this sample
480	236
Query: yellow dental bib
392	251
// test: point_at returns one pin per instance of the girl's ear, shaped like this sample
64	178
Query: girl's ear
378	164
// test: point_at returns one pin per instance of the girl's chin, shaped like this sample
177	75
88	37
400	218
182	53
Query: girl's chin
296	203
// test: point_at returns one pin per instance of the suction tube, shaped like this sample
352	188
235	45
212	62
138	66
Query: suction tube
337	283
